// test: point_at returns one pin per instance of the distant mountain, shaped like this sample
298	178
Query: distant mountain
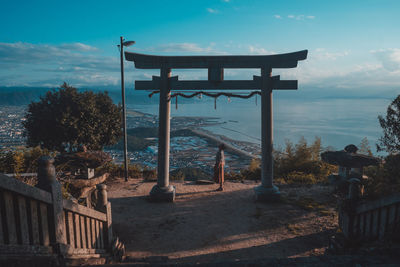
368	92
25	95
20	95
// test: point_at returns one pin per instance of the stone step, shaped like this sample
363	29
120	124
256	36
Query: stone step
87	260
325	260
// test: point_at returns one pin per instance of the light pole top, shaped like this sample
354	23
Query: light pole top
125	43
128	43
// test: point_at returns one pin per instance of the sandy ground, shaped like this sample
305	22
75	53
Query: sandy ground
203	225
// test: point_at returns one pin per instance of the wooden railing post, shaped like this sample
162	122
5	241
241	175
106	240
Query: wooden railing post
105	206
47	181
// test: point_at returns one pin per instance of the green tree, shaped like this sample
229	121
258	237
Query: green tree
7	162
316	149
254	164
18	163
65	119
22	159
301	162
364	147
390	141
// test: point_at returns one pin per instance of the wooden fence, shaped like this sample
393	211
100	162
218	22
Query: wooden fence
37	222
362	220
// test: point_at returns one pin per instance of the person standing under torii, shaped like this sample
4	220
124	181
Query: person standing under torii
219	167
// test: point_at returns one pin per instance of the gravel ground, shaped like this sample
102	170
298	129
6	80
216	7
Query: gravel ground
205	226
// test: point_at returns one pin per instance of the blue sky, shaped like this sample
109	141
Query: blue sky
353	45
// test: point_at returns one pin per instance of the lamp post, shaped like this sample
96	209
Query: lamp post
121	49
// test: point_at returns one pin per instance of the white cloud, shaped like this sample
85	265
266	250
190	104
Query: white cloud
39	64
324	69
259	50
185	47
300	17
277	16
389	58
226	1
212	11
78	47
22	53
26	64
83	65
181	47
322	54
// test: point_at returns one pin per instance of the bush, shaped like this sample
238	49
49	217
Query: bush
384	179
300	178
115	170
23	160
177	175
190	174
149	175
234	176
300	164
251	174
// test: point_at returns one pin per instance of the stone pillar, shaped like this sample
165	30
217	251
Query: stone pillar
104	206
267	190
48	182
46	173
347	210
163	191
102	198
354	189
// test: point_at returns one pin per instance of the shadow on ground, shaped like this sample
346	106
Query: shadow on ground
203	225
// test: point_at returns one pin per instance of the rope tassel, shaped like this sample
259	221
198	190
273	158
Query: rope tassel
176	102
215	103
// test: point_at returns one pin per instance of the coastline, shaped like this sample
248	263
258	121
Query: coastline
229	143
247	150
191	144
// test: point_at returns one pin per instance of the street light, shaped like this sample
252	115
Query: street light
121	49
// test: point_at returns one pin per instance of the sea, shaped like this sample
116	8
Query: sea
337	121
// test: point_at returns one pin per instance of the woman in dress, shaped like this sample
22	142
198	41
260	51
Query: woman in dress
219	167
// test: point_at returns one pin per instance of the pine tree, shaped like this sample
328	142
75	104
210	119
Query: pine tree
390	141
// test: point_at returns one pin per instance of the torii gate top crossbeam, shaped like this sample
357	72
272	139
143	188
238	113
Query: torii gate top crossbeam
288	60
216	66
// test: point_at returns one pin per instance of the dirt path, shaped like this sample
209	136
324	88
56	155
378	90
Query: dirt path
203	225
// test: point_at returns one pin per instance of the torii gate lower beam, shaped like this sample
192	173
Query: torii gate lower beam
163	191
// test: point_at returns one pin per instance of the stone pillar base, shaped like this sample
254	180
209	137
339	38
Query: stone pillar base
265	194
162	194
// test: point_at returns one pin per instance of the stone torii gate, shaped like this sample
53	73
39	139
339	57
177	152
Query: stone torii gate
163	191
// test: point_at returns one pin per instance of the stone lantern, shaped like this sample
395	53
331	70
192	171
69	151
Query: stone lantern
81	177
351	165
